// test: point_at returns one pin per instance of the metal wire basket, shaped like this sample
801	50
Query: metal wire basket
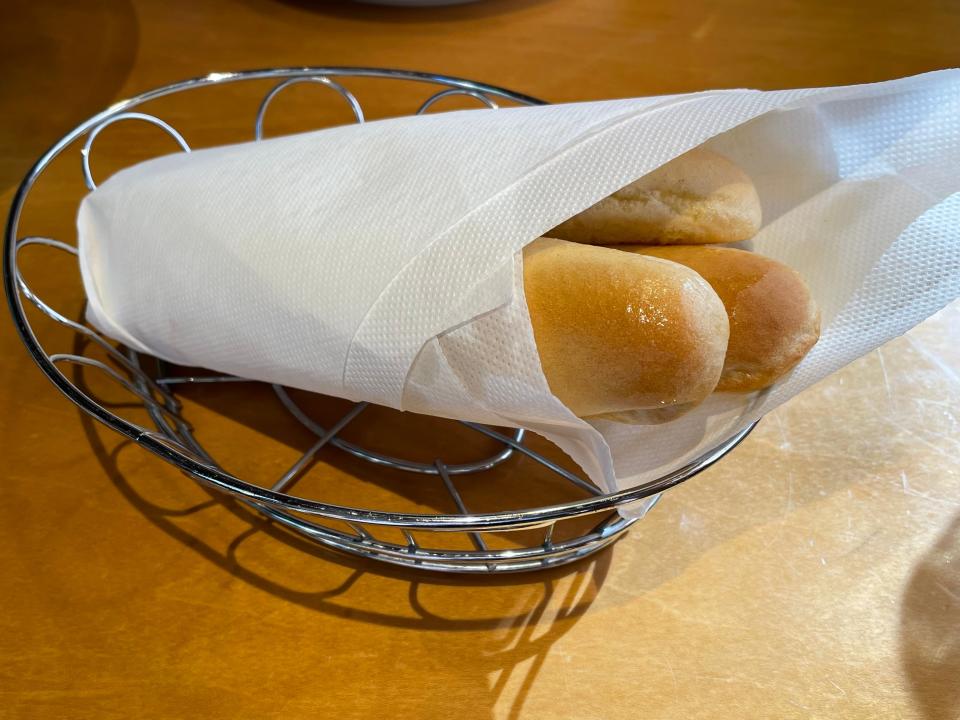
349	529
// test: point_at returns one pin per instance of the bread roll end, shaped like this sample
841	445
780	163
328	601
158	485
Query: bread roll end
618	332
774	321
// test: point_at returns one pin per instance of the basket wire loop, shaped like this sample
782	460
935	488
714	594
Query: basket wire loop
124	383
170	401
173	438
456	91
322	80
88	145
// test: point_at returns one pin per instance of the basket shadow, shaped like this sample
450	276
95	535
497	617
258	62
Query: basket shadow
338	477
930	627
248	416
255	522
520	616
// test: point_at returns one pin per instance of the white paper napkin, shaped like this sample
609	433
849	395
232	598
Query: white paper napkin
380	262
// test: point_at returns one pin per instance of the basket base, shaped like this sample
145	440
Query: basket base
481	560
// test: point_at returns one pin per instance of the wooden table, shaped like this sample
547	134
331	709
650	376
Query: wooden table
813	573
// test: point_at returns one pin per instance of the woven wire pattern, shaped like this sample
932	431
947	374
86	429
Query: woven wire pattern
173	438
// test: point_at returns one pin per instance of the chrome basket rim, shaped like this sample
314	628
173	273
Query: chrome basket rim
275	504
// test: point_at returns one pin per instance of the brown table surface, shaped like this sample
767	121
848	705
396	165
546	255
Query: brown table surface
813	573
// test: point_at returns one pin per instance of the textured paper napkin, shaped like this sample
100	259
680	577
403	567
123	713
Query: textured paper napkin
380	261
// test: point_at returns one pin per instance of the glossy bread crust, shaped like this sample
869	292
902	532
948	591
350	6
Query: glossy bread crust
773	320
618	332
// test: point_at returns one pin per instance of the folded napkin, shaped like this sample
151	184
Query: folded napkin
381	261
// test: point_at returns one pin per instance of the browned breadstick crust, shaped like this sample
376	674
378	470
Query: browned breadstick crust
773	320
620	332
697	198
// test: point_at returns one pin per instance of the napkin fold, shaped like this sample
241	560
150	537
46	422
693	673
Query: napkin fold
381	261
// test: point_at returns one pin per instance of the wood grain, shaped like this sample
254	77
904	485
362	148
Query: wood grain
814	573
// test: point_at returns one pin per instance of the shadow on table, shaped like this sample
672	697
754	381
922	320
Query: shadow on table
930	627
499	628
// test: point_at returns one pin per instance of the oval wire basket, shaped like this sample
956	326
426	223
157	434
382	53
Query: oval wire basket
173	438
